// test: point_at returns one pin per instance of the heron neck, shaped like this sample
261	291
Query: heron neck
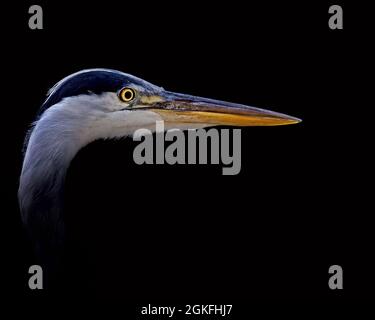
51	147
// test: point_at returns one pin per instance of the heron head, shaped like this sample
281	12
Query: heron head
121	103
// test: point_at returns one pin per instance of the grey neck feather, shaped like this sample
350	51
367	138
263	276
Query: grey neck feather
55	139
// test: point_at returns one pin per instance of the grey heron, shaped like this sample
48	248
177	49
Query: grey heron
99	104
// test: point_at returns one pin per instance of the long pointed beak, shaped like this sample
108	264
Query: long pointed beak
182	108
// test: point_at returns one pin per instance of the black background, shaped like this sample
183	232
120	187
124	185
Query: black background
187	234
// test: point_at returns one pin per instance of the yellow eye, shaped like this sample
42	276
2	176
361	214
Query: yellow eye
126	94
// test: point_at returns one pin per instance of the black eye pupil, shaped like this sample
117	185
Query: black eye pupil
128	95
